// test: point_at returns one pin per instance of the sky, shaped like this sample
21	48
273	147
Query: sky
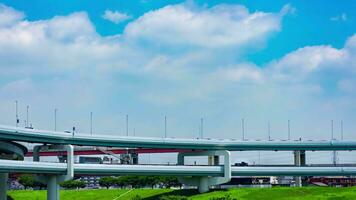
222	61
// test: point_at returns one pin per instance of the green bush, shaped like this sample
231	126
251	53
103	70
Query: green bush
27	180
107	181
173	197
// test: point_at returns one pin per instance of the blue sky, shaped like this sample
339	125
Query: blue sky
259	60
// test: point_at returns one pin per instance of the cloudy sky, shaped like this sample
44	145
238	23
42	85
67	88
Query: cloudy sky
221	61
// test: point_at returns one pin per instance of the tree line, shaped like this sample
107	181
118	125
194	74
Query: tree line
29	181
139	181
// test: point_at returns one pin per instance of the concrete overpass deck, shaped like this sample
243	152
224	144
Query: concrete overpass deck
83	139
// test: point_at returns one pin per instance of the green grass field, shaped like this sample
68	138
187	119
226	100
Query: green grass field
306	193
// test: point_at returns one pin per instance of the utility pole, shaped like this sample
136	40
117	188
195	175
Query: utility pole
91	123
17	113
288	129
55	119
243	128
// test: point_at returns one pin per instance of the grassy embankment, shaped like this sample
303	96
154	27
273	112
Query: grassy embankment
306	193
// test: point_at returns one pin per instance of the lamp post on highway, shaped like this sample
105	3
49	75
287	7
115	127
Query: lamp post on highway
288	129
269	131
91	123
55	119
17	113
27	108
127	125
165	126
332	129
243	128
342	129
201	127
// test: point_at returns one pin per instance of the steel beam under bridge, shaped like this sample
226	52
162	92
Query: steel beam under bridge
9	166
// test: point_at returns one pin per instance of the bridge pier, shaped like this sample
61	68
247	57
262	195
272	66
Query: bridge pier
3	185
203	183
53	181
52	188
299	160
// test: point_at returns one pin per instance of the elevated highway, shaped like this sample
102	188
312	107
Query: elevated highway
82	139
172	170
201	176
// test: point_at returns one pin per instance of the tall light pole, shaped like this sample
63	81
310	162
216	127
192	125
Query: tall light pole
342	129
17	113
269	131
91	123
127	125
243	128
288	129
332	129
165	126
27	108
55	119
201	127
332	138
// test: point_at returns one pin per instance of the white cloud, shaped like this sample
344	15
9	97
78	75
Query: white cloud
115	16
221	26
342	17
297	65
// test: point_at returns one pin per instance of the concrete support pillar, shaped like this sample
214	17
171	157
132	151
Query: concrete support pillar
203	185
53	181
3	185
52	188
299	160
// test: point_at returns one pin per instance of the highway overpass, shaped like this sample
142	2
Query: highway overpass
83	139
201	176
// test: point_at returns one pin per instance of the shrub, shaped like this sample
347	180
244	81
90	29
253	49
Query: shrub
27	181
107	181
